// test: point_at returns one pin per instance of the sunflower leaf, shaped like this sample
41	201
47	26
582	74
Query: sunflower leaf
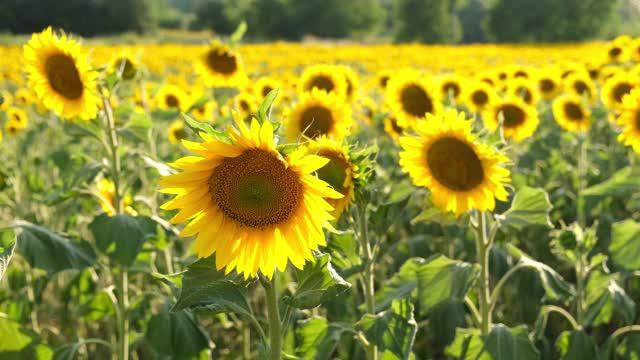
501	343
318	338
177	335
625	247
122	236
264	111
623	182
198	126
577	345
530	206
317	283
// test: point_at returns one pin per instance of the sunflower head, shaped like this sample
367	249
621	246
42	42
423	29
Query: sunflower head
176	132
411	97
318	114
616	87
629	120
6	100
125	65
61	75
518	120
445	157
327	78
220	66
251	206
452	87
480	96
172	97
524	89
23	97
579	83
352	82
106	194
571	113
264	86
548	83
17	117
393	128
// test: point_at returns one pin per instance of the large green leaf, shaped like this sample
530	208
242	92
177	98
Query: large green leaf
122	236
97	307
625	247
317	338
400	285
176	335
52	252
625	181
530	206
393	330
204	286
553	283
317	283
502	343
386	215
17	343
576	345
344	254
605	297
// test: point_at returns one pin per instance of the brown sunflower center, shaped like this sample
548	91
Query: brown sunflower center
573	111
638	120
266	90
126	66
171	101
513	116
547	85
63	76
451	88
394	125
615	52
454	164
620	90
521	74
525	94
581	87
593	73
244	105
316	121
416	101
383	81
255	189
222	62
480	98
335	172
321	82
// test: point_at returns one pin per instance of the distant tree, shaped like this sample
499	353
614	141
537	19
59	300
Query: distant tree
473	17
430	21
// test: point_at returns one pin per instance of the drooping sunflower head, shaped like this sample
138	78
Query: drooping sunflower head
571	113
411	97
340	172
461	173
616	87
327	78
524	89
220	66
480	96
452	87
629	120
317	114
517	119
252	207
579	83
61	75
548	83
172	97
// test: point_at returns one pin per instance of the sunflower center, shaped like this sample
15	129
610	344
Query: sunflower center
321	82
266	90
244	106
255	189
581	88
573	111
63	76
525	94
349	87
171	101
593	73
128	69
394	125
620	91
512	115
615	52
454	164
383	81
223	63
316	121
335	172
521	74
547	85
415	101
638	121
451	88
480	98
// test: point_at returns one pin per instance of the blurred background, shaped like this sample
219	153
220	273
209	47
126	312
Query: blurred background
428	21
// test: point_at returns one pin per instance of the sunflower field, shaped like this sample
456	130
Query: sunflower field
319	200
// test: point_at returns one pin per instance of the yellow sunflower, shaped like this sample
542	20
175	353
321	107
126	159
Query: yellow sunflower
445	157
324	77
61	75
12	128
634	49
629	120
519	120
617	52
524	89
171	97
616	88
220	66
411	97
317	114
382	79
245	104
579	83
23	97
6	100
106	190
205	111
452	87
353	84
480	96
571	114
250	206
17	117
264	86
339	172
548	83
124	64
176	132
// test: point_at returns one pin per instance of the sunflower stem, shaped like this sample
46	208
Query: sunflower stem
484	290
275	330
123	320
582	181
368	275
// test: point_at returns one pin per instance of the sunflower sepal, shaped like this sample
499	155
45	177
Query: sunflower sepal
201	127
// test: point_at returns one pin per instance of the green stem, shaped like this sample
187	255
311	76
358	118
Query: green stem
484	291
621	331
501	283
112	135
368	275
275	330
32	299
552	308
580	301
582	181
123	319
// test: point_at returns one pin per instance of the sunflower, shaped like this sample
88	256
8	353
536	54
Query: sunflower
264	86
461	173
23	97
220	66
352	81
524	89
324	77
368	108
106	191
6	100
480	96
175	132
382	79
411	97
339	172
61	75
452	87
571	114
317	114
616	88
245	104
393	128
12	128
519	120
548	83
580	84
17	117
617	52
171	97
634	49
250	206
629	120
204	112
125	65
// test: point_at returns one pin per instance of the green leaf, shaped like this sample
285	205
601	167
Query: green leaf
111	80
199	126
317	283
604	298
264	111
5	257
138	126
623	182
400	285
530	206
238	33
502	343
13	337
176	335
625	247
433	214
576	345
553	283
344	254
204	286
393	330
387	215
52	252
122	236
317	338
98	307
